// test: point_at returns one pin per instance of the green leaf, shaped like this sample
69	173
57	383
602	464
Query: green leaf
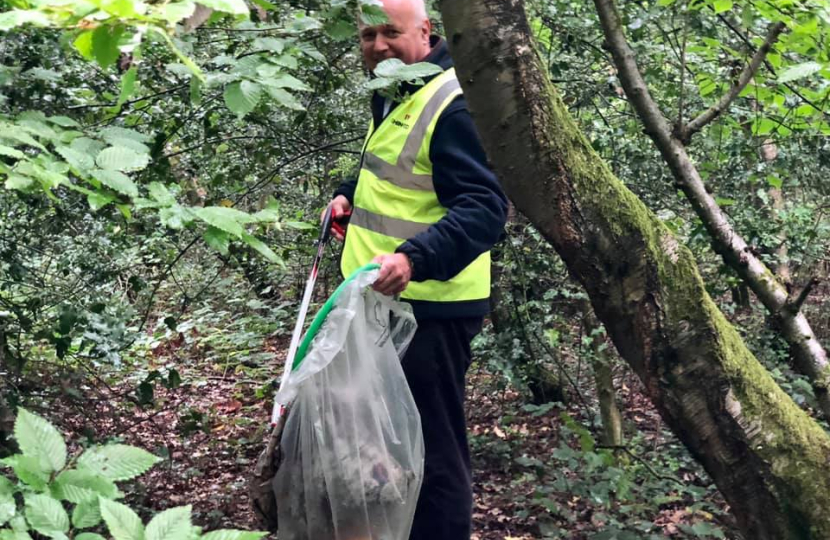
175	216
123	9
117	461
11	152
87	146
6	486
269	44
721	201
63	121
18	182
99	199
39	439
89	536
77	486
242	96
763	126
176	11
217	239
7	507
284	98
16	133
47	516
231	534
28	470
799	71
226	219
85	515
129	138
372	15
263	249
127	85
83	44
79	161
122	522
105	44
6	534
160	193
721	6
121	158
172	524
118	181
394	68
234	7
287	81
311	51
774	181
19	17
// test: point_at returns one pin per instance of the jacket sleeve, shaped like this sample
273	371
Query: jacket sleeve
347	189
468	188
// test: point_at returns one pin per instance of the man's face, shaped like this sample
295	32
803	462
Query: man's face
404	36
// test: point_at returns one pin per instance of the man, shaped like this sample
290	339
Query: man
427	208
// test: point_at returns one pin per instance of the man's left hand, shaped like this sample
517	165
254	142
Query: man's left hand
395	273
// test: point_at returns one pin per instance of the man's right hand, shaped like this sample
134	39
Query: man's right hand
340	206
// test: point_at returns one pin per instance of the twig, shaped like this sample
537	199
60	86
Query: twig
793	305
682	73
684	133
649	468
770	67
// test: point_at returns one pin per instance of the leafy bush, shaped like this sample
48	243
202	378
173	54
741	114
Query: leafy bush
63	497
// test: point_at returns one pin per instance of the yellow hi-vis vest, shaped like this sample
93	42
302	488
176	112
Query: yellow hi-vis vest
395	199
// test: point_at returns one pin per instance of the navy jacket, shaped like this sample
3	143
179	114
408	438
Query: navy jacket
469	190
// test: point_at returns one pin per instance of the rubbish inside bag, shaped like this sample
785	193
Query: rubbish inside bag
352	447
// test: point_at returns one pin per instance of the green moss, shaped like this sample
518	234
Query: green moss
795	447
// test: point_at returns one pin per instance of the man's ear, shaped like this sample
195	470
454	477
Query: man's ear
426	30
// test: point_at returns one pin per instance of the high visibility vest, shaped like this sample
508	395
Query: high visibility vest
395	198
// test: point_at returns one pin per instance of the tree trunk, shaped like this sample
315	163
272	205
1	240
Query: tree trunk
765	454
604	381
808	353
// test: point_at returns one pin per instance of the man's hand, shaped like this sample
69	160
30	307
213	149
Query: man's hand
340	205
395	273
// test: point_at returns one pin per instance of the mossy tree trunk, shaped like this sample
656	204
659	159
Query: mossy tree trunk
767	456
809	355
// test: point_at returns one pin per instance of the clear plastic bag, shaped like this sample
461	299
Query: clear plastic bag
352	448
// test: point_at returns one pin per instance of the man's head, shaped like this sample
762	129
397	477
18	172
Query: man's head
404	36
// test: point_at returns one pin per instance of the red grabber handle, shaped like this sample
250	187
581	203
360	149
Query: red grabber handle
339	222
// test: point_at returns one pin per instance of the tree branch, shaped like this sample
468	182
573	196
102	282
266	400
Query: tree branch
793	305
809	355
788	86
684	133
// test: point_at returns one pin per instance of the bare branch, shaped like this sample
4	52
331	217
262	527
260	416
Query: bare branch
794	304
682	73
684	133
771	69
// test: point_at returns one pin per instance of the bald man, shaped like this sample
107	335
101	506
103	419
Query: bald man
427	207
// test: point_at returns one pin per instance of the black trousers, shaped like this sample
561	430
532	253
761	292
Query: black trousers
435	366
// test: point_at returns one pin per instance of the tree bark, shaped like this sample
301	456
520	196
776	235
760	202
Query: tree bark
604	380
808	353
766	455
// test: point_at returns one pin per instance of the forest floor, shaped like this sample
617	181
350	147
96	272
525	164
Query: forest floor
533	475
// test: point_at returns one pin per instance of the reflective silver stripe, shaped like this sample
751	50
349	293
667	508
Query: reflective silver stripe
415	139
400	174
394	174
385	225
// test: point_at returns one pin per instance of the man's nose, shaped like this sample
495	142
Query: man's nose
380	44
